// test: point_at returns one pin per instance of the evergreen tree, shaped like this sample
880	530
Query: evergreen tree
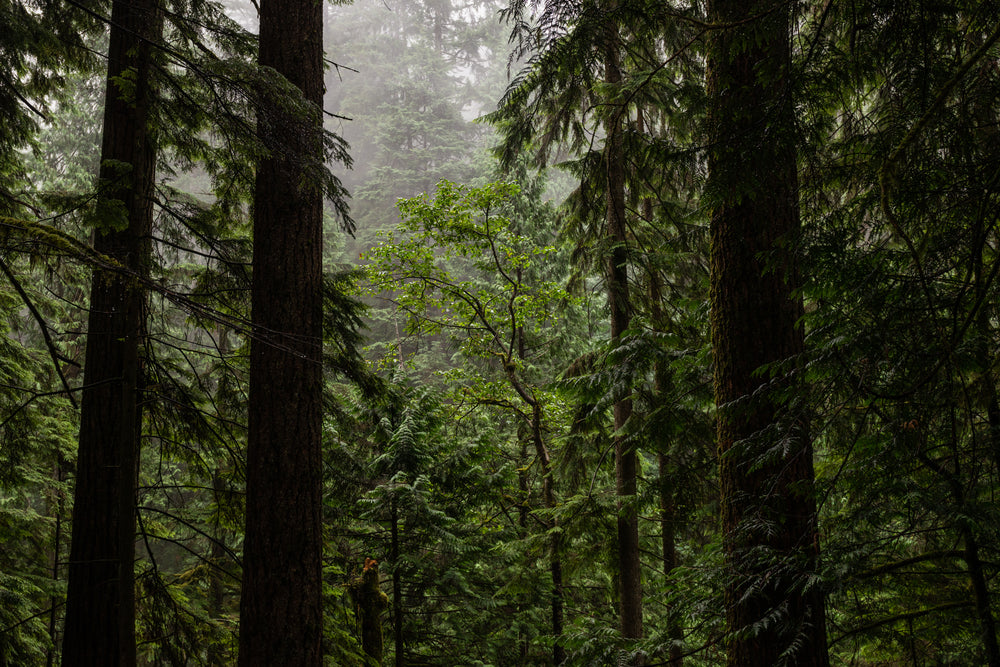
774	610
100	608
281	614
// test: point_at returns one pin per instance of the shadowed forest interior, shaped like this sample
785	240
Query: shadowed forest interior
426	332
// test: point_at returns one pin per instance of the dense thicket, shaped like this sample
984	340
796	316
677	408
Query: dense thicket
697	367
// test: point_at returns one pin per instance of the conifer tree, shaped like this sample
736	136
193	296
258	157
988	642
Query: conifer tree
280	610
775	616
100	608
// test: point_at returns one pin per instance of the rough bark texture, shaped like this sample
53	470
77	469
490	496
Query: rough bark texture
100	601
367	593
630	574
280	609
766	474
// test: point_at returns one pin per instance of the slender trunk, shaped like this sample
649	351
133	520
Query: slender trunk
548	496
626	464
371	602
100	600
669	556
973	561
281	614
984	334
522	513
397	590
555	540
766	474
980	589
668	512
216	590
57	512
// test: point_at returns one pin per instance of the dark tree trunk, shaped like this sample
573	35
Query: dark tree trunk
668	546
668	511
216	587
100	599
536	427
280	609
626	465
397	591
981	592
555	541
371	602
56	510
766	473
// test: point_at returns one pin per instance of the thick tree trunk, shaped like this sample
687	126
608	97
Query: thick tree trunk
626	464
280	611
100	600
766	473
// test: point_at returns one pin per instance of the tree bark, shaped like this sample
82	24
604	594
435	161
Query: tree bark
100	600
371	602
555	539
280	610
626	464
981	592
668	510
397	591
766	473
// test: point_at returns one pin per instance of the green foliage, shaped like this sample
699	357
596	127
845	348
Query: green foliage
464	232
495	307
24	636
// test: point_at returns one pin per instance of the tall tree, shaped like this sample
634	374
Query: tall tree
281	609
100	616
766	470
626	461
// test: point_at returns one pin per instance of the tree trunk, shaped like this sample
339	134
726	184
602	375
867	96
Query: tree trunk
981	592
57	508
100	599
280	610
397	591
555	539
626	464
216	586
371	602
668	511
766	473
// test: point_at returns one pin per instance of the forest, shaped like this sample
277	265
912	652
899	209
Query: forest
499	333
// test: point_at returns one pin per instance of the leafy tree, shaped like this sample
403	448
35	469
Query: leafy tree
488	285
